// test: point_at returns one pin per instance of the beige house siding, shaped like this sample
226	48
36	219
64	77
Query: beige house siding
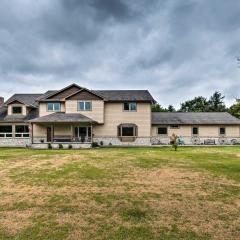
24	108
62	130
39	131
204	131
97	112
43	109
114	115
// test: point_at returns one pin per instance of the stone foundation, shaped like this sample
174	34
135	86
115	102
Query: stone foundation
115	141
65	145
15	142
198	140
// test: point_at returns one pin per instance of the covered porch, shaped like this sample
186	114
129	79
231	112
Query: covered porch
61	128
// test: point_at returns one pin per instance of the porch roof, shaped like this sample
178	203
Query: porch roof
63	118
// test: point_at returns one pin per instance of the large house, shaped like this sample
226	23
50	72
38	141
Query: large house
77	117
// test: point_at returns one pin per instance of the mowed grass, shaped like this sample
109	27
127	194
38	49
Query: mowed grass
120	193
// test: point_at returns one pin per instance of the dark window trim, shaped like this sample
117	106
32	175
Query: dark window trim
21	107
193	134
127	138
129	107
219	131
174	126
166	134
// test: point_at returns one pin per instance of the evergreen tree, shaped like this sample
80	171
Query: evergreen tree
216	103
158	108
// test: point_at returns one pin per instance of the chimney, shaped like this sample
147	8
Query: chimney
1	101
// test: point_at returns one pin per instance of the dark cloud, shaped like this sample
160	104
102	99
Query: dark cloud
176	49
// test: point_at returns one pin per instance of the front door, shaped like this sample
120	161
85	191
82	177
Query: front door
49	134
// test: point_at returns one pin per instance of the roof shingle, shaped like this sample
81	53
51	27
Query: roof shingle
27	99
194	118
63	118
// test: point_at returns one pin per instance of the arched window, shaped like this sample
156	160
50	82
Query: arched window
127	132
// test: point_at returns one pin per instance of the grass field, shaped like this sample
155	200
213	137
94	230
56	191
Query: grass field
120	193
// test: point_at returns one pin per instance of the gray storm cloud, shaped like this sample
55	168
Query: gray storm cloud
176	49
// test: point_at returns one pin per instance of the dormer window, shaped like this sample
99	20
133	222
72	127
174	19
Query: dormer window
130	106
16	110
54	107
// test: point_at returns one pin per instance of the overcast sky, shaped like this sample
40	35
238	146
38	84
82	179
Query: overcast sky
175	48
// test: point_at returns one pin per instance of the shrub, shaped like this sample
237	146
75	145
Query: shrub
101	143
49	146
60	146
42	141
174	141
94	144
70	146
110	144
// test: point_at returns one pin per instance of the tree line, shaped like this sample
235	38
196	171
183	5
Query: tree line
201	104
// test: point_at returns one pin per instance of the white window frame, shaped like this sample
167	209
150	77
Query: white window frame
5	134
84	104
22	133
54	110
130	109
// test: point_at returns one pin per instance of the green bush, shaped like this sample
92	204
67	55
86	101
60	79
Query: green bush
95	144
49	146
70	146
60	146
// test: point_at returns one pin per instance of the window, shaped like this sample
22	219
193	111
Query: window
16	110
5	131
162	131
84	106
127	132
195	131
83	134
130	106
54	107
22	131
174	126
222	130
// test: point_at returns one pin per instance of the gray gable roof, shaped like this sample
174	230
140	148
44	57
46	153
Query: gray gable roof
196	118
125	95
46	94
114	95
27	99
17	118
63	118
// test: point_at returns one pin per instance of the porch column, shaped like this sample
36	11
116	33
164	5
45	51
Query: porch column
91	133
52	138
32	131
72	133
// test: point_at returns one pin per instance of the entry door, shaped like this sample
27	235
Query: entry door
49	134
82	133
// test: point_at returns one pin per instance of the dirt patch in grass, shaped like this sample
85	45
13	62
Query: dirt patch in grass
13	222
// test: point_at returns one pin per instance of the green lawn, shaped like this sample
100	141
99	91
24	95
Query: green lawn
120	193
